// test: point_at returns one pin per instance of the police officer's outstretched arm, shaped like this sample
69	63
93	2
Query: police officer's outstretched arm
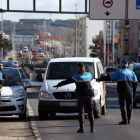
109	77
65	82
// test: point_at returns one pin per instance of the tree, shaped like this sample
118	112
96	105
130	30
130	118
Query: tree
95	51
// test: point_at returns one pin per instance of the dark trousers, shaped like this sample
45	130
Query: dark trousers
85	102
126	104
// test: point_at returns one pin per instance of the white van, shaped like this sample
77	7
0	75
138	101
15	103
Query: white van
25	49
64	99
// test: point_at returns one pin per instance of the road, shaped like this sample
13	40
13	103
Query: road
64	126
30	56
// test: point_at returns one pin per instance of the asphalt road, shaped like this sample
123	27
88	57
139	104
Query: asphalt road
64	126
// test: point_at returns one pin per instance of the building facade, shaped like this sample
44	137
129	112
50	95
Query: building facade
86	31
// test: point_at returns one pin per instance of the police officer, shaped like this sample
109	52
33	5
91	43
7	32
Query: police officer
126	84
1	75
85	93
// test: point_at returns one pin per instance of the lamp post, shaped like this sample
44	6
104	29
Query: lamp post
76	33
1	31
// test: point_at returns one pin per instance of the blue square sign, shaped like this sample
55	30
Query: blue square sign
137	4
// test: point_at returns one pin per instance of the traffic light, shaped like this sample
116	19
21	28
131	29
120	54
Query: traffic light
95	44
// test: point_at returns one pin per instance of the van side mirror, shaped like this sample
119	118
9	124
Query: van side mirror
39	78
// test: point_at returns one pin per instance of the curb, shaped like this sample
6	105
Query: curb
32	123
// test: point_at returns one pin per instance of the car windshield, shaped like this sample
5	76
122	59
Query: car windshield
137	72
64	70
12	77
110	70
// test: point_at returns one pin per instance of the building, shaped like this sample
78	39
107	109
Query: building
87	29
108	42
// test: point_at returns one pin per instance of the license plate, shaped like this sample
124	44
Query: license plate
68	103
3	104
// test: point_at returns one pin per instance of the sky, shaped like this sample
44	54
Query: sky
45	5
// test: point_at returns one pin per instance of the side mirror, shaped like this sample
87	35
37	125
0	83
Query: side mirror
39	78
27	85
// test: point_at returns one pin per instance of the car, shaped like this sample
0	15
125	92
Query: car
19	52
109	69
64	99
13	94
135	67
45	62
39	50
41	54
20	55
25	49
118	67
108	2
16	63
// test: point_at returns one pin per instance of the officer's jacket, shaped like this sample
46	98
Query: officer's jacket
82	81
126	80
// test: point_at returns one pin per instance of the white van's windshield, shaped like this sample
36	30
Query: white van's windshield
64	70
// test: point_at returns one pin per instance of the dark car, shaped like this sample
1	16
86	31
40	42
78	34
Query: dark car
108	2
109	69
135	67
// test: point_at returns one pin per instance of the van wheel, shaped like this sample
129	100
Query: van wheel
97	114
134	105
53	114
104	109
42	114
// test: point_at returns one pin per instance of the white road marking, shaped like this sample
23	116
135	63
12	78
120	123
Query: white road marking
33	124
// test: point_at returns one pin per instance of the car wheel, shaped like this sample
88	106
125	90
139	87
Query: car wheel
23	116
42	114
52	114
134	105
104	108
97	113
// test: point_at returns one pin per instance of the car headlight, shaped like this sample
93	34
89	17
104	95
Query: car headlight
19	93
45	95
95	93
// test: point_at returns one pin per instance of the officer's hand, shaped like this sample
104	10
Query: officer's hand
56	86
98	80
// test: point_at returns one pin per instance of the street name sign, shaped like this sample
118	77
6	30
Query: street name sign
107	9
134	9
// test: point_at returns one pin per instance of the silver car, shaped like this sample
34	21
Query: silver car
13	94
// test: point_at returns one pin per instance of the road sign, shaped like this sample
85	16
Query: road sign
107	9
34	52
134	9
108	4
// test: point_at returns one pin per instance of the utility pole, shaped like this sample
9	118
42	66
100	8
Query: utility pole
1	31
44	34
76	34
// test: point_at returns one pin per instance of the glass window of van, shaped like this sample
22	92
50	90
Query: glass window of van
64	70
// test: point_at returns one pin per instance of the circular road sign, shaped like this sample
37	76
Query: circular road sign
34	52
107	3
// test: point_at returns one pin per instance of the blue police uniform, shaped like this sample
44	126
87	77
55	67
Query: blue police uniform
126	83
85	93
126	80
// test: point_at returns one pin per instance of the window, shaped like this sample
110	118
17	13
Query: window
12	76
98	72
64	70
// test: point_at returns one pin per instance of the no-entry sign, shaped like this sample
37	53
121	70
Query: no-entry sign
34	52
107	10
107	3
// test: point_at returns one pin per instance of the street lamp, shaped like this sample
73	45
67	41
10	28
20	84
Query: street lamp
76	33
